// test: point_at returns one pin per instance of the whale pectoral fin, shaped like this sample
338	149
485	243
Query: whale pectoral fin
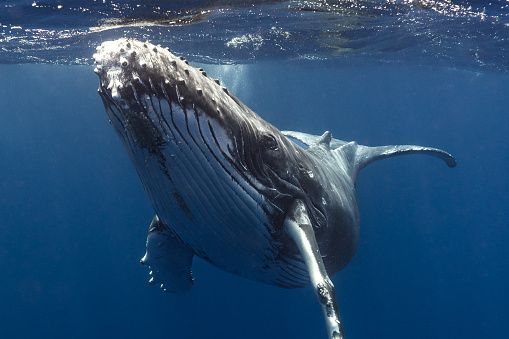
298	226
168	258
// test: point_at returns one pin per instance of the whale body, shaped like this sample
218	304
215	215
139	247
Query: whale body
229	187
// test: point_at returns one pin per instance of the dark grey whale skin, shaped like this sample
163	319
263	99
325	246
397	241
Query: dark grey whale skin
175	121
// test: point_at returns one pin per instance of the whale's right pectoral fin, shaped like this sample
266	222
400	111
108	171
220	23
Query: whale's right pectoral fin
298	226
168	258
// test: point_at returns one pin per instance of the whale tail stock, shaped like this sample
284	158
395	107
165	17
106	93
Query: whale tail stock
364	155
359	156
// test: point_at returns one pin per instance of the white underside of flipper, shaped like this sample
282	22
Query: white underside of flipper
298	226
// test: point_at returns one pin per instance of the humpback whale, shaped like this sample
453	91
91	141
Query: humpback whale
273	206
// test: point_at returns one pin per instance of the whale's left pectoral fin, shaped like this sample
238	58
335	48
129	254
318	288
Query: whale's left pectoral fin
168	258
298	226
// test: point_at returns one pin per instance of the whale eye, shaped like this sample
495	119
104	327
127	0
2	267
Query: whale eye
268	141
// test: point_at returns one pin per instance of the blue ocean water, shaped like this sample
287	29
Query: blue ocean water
433	256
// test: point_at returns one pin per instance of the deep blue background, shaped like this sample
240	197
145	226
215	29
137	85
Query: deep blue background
433	256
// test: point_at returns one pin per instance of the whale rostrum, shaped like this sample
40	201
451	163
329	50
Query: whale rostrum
273	206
